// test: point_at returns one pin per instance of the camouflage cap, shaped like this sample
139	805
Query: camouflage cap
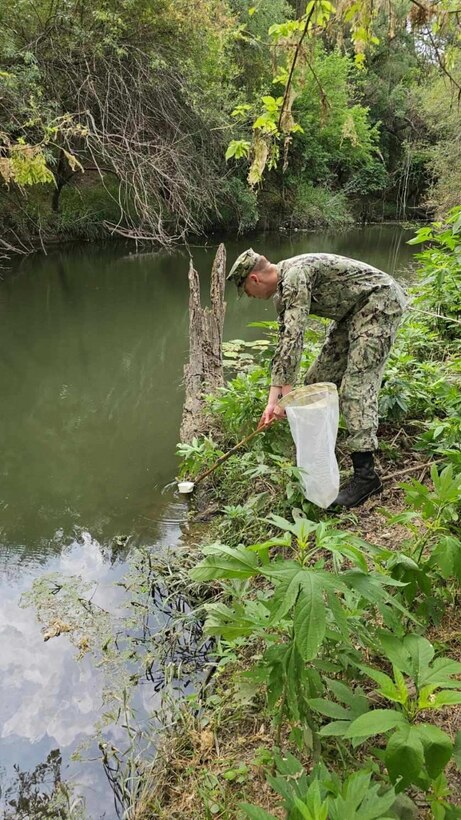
242	266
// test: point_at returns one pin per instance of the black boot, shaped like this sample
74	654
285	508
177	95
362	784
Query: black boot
364	483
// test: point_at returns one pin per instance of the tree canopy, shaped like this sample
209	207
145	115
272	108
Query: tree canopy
160	118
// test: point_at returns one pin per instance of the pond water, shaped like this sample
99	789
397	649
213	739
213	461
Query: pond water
94	341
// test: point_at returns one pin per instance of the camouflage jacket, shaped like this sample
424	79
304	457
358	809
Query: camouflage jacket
324	283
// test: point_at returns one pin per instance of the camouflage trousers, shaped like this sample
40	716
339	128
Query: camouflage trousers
354	356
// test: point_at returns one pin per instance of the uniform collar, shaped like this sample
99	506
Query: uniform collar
279	276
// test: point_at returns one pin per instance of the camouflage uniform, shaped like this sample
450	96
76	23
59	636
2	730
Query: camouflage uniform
366	306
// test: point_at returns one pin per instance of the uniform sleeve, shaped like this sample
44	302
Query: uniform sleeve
296	302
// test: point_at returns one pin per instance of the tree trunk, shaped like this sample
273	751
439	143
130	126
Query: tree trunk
204	372
63	175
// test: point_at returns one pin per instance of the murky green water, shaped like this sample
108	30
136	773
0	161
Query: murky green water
94	341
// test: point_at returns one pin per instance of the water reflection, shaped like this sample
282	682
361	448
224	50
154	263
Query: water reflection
40	793
51	701
48	700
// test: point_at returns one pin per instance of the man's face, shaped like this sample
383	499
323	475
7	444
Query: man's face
256	287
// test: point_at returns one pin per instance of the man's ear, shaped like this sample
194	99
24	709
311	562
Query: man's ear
253	277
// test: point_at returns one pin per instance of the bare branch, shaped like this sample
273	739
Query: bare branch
293	63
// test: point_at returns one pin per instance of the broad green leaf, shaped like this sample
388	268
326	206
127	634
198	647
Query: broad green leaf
404	808
281	786
29	167
242	553
238	563
331	582
289	771
281	570
339	616
237	149
356	700
447	556
446	698
344	543
314	679
355	788
302	809
282	523
440	673
359	799
329	708
313	800
255	813
277	541
426	697
284	598
371	587
404	561
275	685
375	723
293	682
401	686
394	649
375	805
354	555
300	528
422	235
404	756
288	765
337	728
456	228
239	111
438	748
421	653
386	684
229	623
309	618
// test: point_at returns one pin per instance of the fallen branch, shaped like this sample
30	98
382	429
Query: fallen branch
411	469
435	315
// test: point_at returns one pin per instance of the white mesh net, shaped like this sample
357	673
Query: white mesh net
313	415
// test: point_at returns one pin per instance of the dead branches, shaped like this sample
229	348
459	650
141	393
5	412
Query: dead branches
137	120
139	124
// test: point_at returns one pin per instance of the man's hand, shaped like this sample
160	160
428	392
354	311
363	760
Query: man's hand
273	412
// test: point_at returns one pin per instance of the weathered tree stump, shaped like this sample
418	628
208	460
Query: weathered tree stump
204	372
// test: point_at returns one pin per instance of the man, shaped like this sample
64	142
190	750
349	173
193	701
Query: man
366	306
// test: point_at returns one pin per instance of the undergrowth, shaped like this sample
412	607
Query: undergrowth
324	651
334	693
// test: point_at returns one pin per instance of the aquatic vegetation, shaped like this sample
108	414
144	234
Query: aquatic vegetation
155	639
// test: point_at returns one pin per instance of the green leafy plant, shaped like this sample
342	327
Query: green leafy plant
440	505
440	260
416	752
323	796
434	550
307	600
197	455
